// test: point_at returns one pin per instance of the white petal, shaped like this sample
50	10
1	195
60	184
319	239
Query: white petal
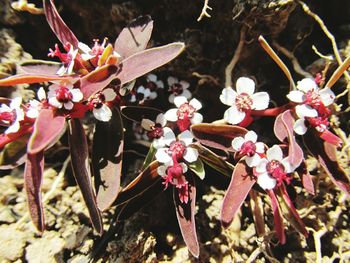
158	143
171	115
195	104
251	136
162	156
61	70
179	100
32	113
233	116
109	94
299	127
153	95
191	155
274	153
305	111
186	137
168	136
228	96
184	167
83	47
306	85
13	128
327	96
161	119
160	84
185	84
260	147
19	114
161	170
260	100
87	56
253	160
186	93
261	166
172	80
266	182
288	168
16	103
5	108
171	98
41	94
296	96
103	113
54	102
147	124
197	118
237	143
152	77
77	95
146	93
140	89
68	105
245	85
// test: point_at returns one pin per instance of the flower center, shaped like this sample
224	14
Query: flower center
8	117
63	94
177	150
176	89
65	58
185	111
156	132
277	171
243	102
313	99
151	86
175	171
248	148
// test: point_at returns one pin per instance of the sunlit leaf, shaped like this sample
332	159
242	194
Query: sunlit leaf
134	37
149	158
185	217
81	170
241	183
198	168
33	176
58	26
107	156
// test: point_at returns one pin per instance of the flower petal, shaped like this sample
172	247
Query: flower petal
186	137
152	77
147	124
260	100
191	155
288	168
54	102
185	84
186	93
109	94
260	147
306	85
103	113
171	98
161	119
160	84
197	118
77	95
83	47
327	96
13	128
245	85
266	182
237	143
161	170
196	104
41	94
171	115
305	111
172	80
233	116
253	160
296	96
299	127
274	153
228	96
16	103
261	166
251	136
162	156
168	136
179	100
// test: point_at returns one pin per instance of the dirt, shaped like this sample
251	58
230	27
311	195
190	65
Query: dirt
152	234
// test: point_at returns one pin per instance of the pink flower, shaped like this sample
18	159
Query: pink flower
66	58
64	95
34	106
243	100
247	146
186	113
178	88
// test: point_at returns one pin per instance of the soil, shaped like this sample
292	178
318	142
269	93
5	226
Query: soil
152	234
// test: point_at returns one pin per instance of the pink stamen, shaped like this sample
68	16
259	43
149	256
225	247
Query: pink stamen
176	89
177	150
248	148
277	171
63	94
244	102
184	115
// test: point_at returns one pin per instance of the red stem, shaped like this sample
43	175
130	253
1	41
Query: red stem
272	111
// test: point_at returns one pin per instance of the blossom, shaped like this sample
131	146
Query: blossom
63	95
34	106
157	131
66	58
186	112
178	88
12	115
273	169
243	100
99	106
247	146
141	94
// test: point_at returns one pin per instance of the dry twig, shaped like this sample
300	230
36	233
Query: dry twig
204	10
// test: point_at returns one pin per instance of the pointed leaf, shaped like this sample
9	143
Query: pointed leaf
213	160
48	128
98	79
305	178
325	153
198	168
40	67
81	170
149	158
14	153
240	186
58	26
338	73
185	217
137	113
143	181
30	79
277	218
145	61
134	37
33	176
107	159
217	136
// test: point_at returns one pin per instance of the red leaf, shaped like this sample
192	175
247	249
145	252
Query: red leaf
217	136
29	79
134	37
283	129
306	179
185	217
240	185
58	26
33	174
107	159
81	170
39	67
277	218
325	153
145	61
48	128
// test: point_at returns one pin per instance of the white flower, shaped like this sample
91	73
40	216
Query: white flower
101	111
243	100
157	131
248	147
12	115
178	88
64	95
35	106
185	113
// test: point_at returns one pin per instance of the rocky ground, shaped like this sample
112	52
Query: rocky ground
152	234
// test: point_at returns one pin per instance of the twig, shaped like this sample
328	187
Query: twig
204	10
235	58
297	68
318	53
317	239
206	77
24	6
254	255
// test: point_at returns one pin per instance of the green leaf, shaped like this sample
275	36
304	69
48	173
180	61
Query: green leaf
149	158
198	168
